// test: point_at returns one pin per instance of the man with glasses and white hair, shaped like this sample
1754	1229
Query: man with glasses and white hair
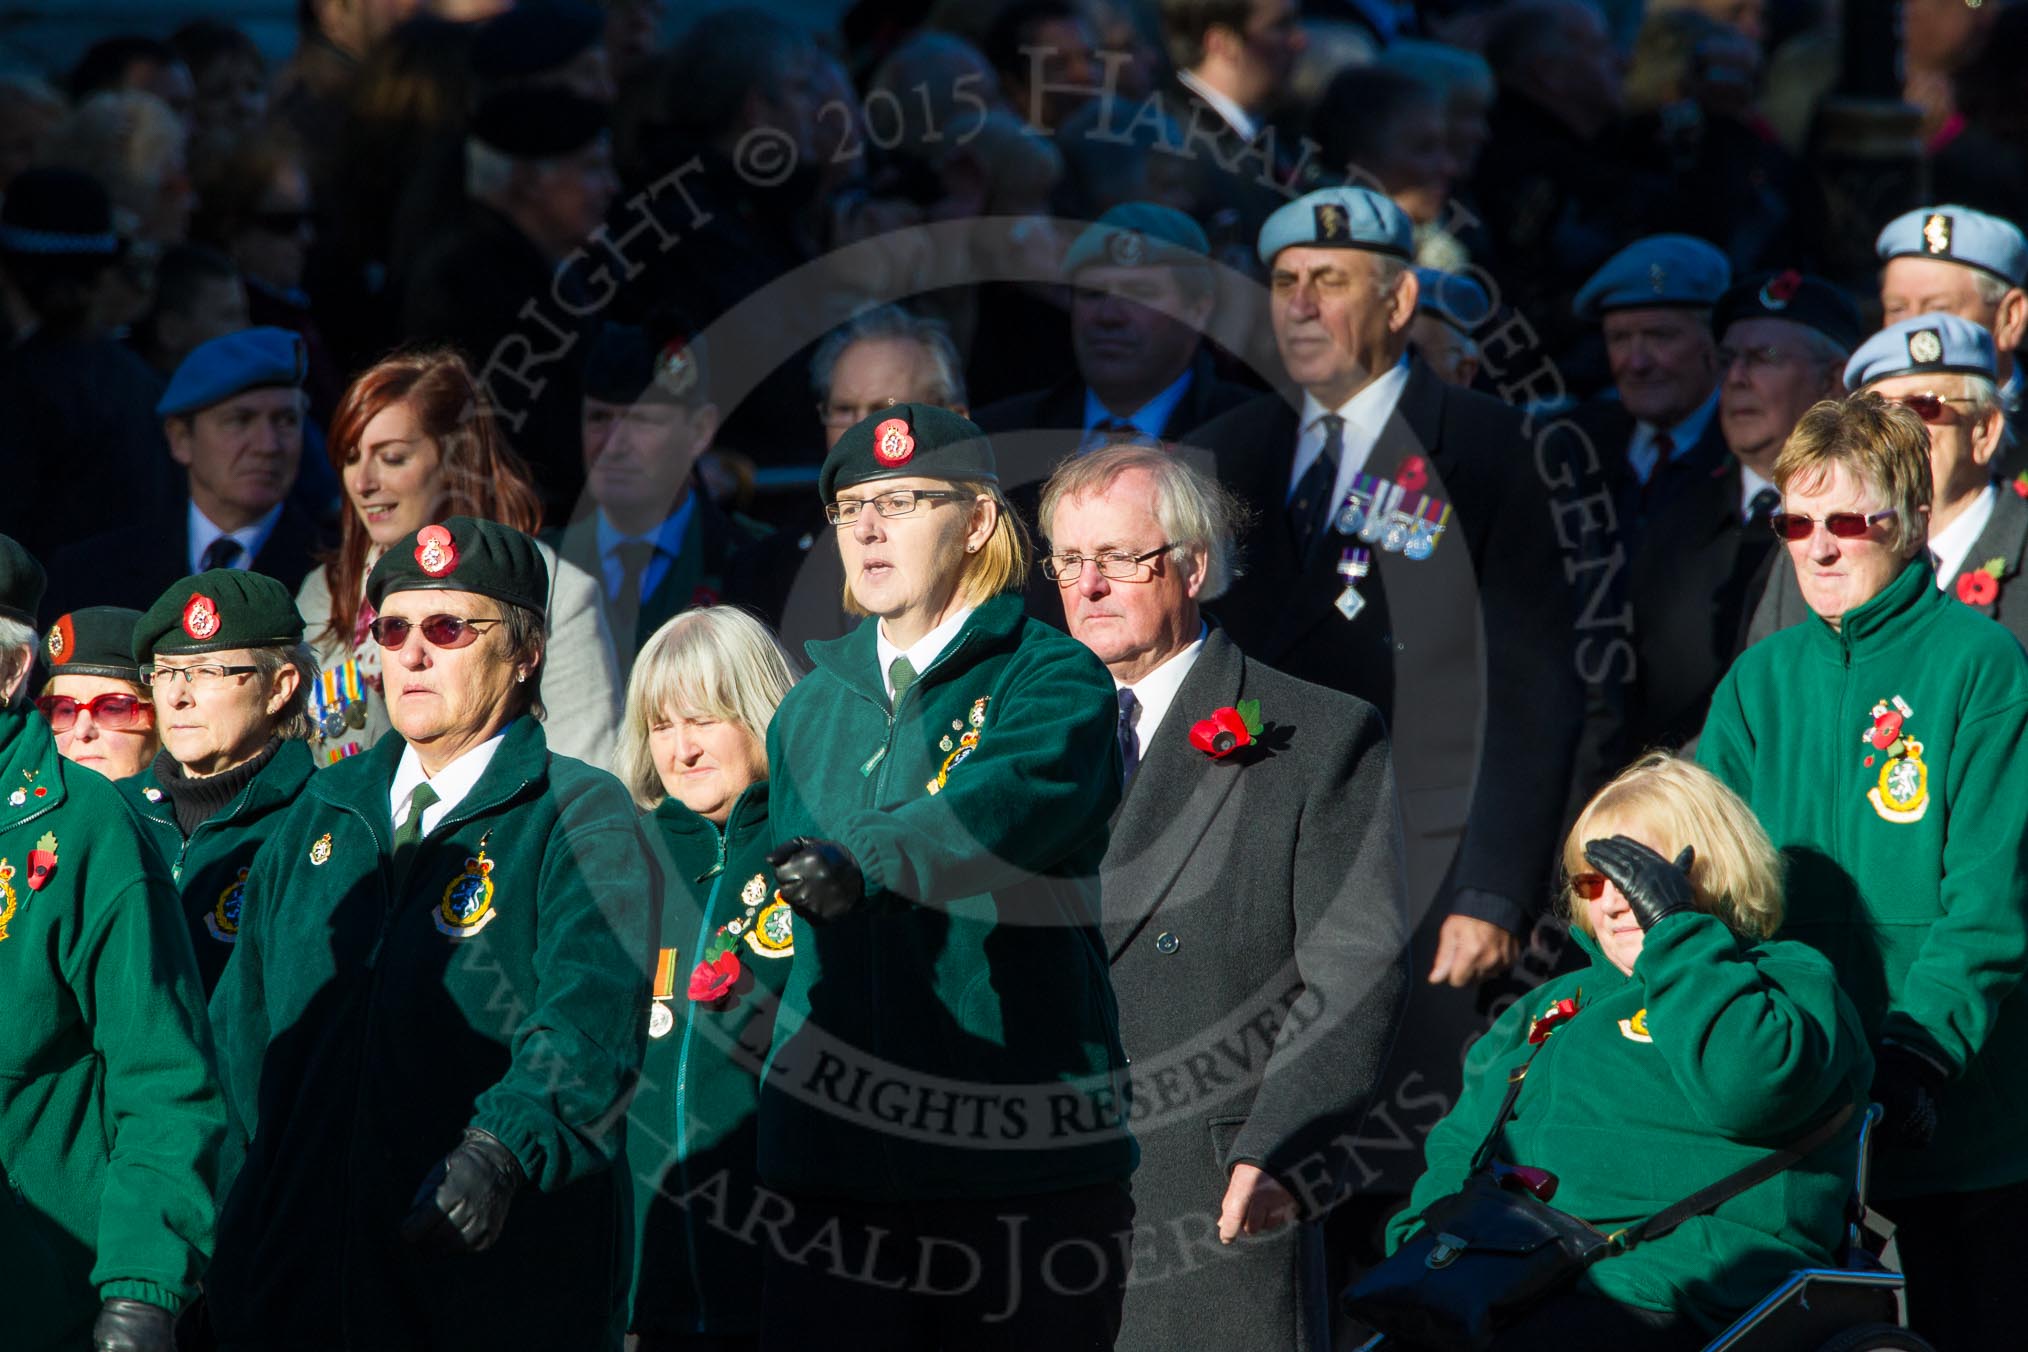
1954	260
884	357
1253	884
1942	369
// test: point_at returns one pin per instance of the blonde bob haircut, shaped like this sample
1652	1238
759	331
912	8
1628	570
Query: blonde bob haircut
1001	563
1670	802
717	661
1881	444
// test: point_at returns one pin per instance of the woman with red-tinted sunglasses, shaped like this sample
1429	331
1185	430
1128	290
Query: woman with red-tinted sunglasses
94	699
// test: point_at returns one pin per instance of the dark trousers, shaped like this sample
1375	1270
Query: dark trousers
1964	1266
1010	1274
1578	1320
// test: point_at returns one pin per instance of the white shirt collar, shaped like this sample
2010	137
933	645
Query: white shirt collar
451	784
1365	414
1221	103
1641	453
203	531
1156	691
1750	486
922	652
1951	544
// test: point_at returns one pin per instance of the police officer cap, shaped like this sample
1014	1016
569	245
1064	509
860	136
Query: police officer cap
1341	218
532	38
52	213
1938	343
538	123
22	582
655	364
1661	271
465	554
95	641
1135	234
215	611
907	441
1810	301
1957	235
217	370
1458	301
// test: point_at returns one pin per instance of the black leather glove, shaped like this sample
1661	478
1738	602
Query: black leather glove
1906	1086
818	878
461	1206
1652	885
133	1326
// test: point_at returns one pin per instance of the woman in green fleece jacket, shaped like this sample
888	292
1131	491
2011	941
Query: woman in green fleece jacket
702	694
1689	1048
110	1118
1885	746
945	1090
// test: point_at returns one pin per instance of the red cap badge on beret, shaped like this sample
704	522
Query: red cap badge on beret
1781	289
61	639
200	616
435	552
676	369
892	443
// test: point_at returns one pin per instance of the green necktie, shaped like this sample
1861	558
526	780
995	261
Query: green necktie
410	833
901	675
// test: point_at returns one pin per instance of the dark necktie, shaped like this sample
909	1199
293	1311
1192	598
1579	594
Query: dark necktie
625	610
1758	541
1664	447
1311	507
409	834
223	552
1130	744
901	675
1116	430
1762	509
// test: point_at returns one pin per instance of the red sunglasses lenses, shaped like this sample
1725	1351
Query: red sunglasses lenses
116	713
440	631
1796	526
1590	886
1927	407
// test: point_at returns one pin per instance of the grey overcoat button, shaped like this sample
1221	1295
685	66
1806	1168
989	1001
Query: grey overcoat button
1166	942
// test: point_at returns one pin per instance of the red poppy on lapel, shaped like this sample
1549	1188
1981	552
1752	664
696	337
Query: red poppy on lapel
1560	1012
1413	475
1227	730
714	979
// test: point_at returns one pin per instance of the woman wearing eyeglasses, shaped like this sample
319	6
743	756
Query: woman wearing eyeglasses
1691	1046
110	1118
95	700
1881	742
432	1019
948	1054
415	441
231	677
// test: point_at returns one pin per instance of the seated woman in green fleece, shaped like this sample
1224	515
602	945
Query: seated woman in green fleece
692	750
1696	1046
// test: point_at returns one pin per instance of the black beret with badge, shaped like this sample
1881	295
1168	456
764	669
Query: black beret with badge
1796	297
22	582
465	554
907	441
215	612
656	363
94	641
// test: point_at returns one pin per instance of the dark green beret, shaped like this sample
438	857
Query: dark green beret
655	365
216	611
907	441
465	554
95	641
22	582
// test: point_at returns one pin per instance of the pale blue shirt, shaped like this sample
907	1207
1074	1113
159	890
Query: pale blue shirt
1149	419
667	539
251	538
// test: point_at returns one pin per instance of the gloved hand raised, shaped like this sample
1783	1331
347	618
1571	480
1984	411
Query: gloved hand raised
461	1206
1652	885
133	1326
818	878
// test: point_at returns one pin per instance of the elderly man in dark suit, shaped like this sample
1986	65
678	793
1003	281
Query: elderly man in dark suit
1943	368
1253	912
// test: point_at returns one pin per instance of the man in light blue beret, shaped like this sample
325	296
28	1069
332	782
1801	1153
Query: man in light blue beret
1653	300
1955	260
1448	310
1942	368
1142	293
233	417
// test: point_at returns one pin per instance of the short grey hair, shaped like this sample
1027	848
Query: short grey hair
715	660
527	640
1823	350
14	662
1992	290
891	323
1196	513
292	724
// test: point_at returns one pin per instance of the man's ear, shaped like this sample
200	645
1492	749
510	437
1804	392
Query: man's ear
181	434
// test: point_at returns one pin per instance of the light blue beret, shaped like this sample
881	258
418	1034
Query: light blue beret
1658	272
1459	301
1341	218
1136	234
247	360
1957	235
1927	343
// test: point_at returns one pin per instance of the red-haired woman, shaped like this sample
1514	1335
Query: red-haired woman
414	442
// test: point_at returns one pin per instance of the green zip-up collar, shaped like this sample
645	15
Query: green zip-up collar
1908	604
749	816
277	785
28	761
855	660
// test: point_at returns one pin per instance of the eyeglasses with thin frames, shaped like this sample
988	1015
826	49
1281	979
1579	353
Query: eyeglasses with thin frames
439	631
1929	407
208	673
1116	564
900	502
1845	525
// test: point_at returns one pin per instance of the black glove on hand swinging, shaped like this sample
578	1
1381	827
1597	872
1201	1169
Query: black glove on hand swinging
1906	1086
461	1206
133	1326
818	878
1652	885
